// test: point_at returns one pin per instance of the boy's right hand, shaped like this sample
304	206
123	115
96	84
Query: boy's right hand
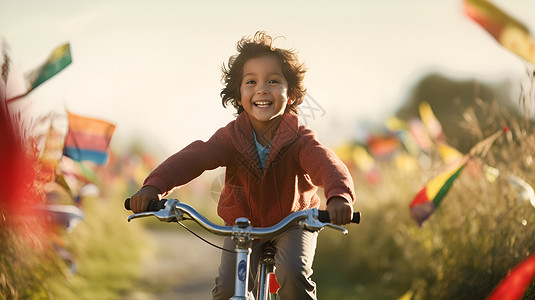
141	199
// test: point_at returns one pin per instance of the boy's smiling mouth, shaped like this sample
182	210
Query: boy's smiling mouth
262	104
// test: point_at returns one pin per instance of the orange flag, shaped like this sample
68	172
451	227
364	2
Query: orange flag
88	139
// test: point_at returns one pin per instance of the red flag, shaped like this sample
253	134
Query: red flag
513	286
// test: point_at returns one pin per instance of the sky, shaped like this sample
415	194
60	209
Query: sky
154	67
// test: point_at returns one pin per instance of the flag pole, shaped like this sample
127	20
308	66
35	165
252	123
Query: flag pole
16	98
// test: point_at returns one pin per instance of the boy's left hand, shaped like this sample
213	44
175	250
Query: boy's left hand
340	211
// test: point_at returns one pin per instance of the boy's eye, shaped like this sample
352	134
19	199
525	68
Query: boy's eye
274	81
250	82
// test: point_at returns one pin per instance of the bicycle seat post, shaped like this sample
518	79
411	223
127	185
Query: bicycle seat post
241	235
265	267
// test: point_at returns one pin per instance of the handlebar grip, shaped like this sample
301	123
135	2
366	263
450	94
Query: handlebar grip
154	205
323	216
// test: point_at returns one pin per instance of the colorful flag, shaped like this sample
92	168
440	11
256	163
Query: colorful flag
382	146
429	197
419	134
448	153
88	139
514	285
57	61
343	151
51	154
401	128
366	163
434	128
508	31
409	295
362	159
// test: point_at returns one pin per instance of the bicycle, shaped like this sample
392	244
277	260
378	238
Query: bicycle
242	233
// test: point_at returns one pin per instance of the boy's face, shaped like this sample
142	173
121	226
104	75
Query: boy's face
263	91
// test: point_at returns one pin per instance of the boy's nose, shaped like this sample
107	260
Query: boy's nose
262	88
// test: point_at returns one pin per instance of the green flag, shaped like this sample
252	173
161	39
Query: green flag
58	60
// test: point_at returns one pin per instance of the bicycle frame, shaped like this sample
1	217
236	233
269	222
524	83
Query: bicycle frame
242	233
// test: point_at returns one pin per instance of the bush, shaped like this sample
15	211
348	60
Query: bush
482	229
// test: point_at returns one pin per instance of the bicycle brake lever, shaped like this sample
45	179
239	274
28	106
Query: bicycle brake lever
168	214
340	228
316	225
312	223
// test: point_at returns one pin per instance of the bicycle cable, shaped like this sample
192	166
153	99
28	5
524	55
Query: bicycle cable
203	239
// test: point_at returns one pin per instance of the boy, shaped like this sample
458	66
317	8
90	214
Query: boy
273	166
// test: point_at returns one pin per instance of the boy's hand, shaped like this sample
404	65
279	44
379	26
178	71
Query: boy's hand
140	200
340	211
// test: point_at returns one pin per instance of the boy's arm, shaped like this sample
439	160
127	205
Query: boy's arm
182	167
326	170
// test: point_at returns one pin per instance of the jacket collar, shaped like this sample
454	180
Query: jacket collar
243	139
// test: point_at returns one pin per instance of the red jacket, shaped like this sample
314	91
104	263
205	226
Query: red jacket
296	166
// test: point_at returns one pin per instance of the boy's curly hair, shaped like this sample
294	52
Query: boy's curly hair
262	45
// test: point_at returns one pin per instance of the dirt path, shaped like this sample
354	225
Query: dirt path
180	266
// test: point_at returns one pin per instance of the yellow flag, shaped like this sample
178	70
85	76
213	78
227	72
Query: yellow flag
433	126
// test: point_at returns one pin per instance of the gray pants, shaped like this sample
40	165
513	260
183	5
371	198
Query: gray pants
293	263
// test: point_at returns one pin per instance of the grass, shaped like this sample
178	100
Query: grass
481	230
25	265
108	251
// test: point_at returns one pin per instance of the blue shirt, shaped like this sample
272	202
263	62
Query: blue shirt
263	151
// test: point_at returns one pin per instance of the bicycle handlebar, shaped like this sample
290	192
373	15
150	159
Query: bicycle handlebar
156	205
174	211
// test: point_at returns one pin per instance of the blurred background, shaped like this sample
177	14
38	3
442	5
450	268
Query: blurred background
153	70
